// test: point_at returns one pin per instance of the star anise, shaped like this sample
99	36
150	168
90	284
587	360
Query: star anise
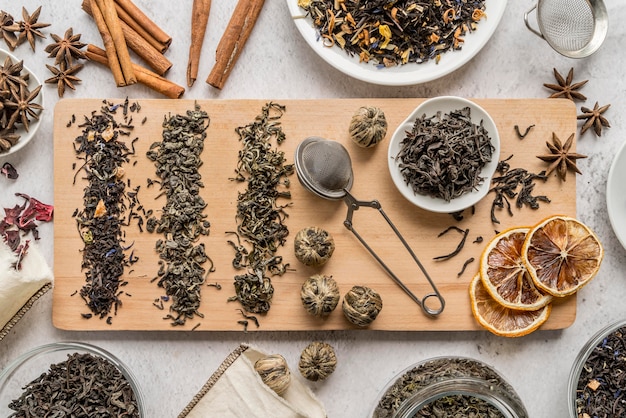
6	30
7	139
560	158
64	77
594	118
22	107
66	49
29	27
11	74
565	88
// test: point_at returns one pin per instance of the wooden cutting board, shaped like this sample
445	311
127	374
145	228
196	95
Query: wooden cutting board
351	264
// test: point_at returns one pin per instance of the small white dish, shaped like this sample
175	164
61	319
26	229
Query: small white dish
402	75
33	126
616	195
430	107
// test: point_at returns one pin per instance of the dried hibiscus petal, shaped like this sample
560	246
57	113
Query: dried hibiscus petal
9	171
12	215
40	211
12	239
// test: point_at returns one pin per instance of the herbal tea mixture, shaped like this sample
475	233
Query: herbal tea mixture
437	370
600	389
393	33
108	205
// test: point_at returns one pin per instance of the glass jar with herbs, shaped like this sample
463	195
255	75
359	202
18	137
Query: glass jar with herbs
449	387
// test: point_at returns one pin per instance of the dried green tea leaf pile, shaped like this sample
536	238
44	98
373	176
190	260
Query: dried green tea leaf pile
395	32
444	154
82	386
440	370
260	218
107	203
182	222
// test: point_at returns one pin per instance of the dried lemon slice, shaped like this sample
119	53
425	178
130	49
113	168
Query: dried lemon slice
500	320
504	275
562	255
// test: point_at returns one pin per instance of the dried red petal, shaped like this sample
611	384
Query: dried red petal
12	238
40	211
9	171
12	215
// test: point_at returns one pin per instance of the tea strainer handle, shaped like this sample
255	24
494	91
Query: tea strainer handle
353	205
533	30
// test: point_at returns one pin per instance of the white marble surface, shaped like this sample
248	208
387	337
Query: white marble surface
277	64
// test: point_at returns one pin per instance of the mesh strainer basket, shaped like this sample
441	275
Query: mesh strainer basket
573	28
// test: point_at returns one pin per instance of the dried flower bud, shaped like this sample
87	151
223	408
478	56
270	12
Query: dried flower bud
361	305
320	295
313	246
368	126
274	372
317	361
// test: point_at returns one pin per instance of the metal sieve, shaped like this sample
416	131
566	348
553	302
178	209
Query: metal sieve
573	28
325	169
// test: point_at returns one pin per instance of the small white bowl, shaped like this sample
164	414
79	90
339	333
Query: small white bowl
430	107
33	126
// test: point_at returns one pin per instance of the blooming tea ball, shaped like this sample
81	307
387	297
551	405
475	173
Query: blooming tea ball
313	246
368	126
361	305
317	361
320	295
274	372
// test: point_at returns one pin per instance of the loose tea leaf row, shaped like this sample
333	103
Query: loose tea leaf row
182	222
260	218
106	202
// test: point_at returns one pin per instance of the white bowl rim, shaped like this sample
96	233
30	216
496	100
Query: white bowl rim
615	197
33	82
430	107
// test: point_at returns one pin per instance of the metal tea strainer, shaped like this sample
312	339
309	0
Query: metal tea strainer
324	168
573	28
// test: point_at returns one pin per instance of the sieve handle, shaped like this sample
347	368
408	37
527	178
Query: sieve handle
533	30
430	307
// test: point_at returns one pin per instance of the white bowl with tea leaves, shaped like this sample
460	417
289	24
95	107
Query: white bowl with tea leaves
443	155
28	121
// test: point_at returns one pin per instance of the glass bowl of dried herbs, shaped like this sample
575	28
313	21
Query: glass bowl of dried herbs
596	384
443	155
69	379
448	387
21	104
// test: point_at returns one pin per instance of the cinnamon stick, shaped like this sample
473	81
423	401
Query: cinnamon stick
144	76
233	40
143	21
199	20
118	45
151	56
109	46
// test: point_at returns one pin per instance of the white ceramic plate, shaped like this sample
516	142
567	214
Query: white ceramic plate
33	126
616	195
430	107
402	75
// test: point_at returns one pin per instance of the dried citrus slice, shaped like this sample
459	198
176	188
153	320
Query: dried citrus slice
504	273
503	321
562	255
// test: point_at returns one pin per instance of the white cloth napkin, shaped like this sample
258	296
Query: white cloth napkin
19	289
236	391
